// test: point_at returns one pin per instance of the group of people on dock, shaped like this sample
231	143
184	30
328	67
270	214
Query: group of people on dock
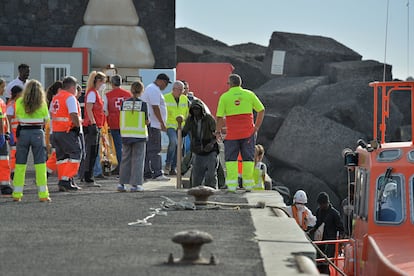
69	123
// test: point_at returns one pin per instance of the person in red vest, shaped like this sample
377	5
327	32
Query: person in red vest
65	112
112	106
93	122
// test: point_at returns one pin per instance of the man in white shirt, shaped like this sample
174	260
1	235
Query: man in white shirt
157	112
24	73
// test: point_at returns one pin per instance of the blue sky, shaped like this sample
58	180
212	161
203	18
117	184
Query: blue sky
358	24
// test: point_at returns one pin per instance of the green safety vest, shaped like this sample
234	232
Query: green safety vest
38	117
132	120
174	110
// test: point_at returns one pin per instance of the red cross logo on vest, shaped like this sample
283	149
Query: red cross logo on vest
55	106
118	103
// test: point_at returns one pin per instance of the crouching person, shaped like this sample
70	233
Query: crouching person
201	127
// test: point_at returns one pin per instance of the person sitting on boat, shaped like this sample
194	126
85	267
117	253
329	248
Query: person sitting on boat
300	212
391	204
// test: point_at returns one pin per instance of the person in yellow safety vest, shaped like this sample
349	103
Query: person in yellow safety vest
260	168
66	126
32	115
300	212
177	104
5	188
237	106
134	133
16	93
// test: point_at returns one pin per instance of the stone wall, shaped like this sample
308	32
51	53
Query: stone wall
54	23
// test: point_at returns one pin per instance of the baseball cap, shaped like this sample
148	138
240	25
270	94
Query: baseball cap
163	76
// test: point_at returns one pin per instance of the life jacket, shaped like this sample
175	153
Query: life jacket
302	223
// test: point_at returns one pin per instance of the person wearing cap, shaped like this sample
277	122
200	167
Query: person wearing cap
112	106
157	112
237	106
332	230
298	210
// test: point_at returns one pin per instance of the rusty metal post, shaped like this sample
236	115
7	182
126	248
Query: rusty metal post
179	119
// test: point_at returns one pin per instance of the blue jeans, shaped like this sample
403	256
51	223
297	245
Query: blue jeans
187	144
172	148
116	136
245	146
97	168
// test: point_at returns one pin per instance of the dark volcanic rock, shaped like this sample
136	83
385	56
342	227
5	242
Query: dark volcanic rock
350	103
312	143
306	54
246	58
270	126
352	70
280	95
312	185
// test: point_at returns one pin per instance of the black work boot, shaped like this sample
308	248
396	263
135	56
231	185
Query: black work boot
66	186
6	190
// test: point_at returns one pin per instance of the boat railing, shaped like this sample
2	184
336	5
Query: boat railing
336	262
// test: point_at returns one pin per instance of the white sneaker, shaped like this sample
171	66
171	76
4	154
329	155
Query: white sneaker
137	188
162	178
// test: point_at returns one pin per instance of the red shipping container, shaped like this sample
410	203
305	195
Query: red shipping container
207	80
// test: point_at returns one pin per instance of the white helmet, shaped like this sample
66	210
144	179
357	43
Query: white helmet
300	197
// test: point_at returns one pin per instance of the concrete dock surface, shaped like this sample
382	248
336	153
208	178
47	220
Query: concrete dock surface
99	231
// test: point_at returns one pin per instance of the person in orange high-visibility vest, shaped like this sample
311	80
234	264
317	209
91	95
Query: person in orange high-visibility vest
16	92
66	125
5	188
237	106
303	216
51	165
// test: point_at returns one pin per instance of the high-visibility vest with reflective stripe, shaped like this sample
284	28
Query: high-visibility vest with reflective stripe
132	119
258	175
175	109
13	122
61	121
38	117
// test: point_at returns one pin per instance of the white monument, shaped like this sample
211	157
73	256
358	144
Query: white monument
112	34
